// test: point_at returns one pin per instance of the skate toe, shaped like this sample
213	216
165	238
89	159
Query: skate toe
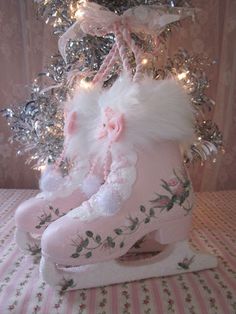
27	214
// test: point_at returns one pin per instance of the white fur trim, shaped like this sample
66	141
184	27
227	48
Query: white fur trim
104	203
85	104
91	185
51	180
154	111
69	183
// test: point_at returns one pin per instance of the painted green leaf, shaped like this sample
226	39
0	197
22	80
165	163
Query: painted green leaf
151	212
85	243
79	249
174	198
75	255
89	234
122	244
70	282
88	255
184	266
186	194
169	206
186	184
142	209
48	218
109	240
118	231
98	239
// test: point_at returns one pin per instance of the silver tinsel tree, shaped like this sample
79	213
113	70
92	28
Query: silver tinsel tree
38	123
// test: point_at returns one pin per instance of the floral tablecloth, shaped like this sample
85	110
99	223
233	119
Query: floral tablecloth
209	292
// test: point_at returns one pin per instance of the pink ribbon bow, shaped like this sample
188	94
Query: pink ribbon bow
99	21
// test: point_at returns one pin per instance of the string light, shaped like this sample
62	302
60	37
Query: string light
57	22
85	84
75	10
182	75
41	168
78	14
144	61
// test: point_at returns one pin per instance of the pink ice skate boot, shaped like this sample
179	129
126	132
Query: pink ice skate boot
61	194
147	193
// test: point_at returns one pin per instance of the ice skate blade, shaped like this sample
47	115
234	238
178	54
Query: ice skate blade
175	259
27	243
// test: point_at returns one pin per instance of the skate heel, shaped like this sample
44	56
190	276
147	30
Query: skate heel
173	231
49	272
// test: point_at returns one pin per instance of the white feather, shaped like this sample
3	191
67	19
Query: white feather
90	185
153	111
85	103
51	180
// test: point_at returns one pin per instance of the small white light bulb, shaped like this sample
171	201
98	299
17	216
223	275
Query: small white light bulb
144	61
182	76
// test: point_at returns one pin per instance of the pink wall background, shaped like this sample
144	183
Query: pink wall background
27	43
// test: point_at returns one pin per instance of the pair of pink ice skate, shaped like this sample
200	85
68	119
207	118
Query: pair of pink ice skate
128	184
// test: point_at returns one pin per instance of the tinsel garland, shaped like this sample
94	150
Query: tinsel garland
62	13
38	124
